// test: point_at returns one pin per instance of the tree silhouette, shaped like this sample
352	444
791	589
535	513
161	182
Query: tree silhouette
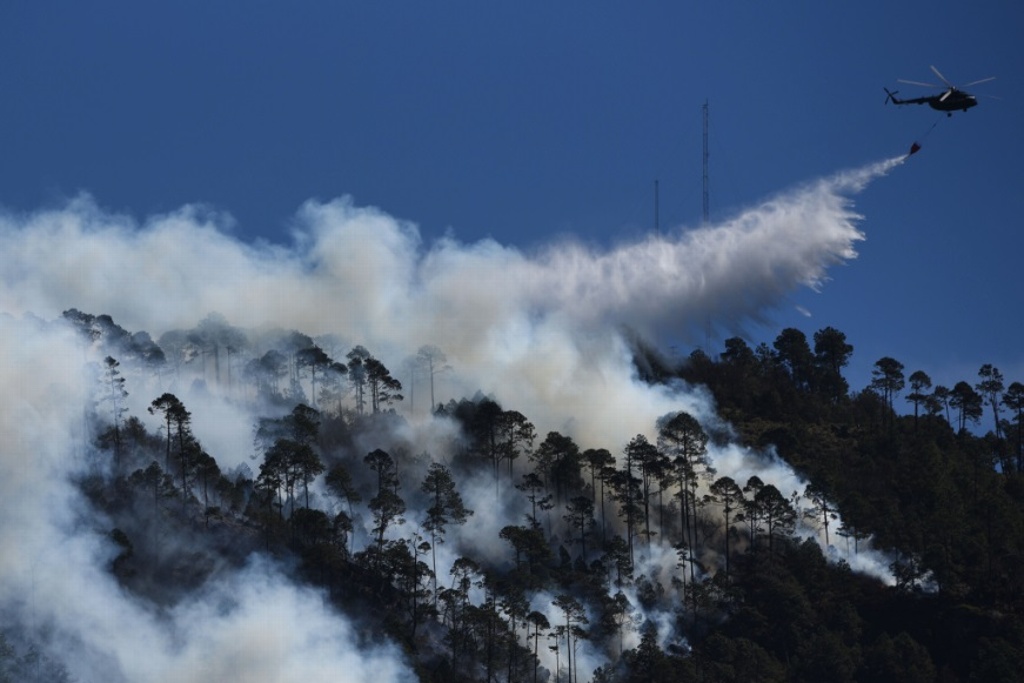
384	389
401	562
575	617
433	361
968	404
920	382
727	492
485	427
795	355
172	410
307	466
601	464
888	381
579	513
154	481
627	493
651	463
941	395
776	513
116	393
539	623
532	486
685	441
387	506
821	509
831	354
557	458
313	358
188	449
991	389
1013	399
446	507
357	375
516	435
266	373
339	482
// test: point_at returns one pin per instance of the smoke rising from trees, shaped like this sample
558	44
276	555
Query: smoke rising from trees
543	332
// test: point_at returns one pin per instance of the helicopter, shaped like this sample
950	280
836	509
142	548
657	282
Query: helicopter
953	99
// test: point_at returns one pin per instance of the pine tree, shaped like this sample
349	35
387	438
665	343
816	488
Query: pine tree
446	508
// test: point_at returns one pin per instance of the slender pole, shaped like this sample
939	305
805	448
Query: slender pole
657	229
706	215
706	207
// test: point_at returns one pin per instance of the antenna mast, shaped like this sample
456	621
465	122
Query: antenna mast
657	229
707	219
706	202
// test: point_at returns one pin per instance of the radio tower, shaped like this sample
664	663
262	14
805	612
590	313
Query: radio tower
706	220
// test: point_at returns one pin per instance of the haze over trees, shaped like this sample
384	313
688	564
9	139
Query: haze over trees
504	556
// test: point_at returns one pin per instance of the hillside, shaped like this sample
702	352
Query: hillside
776	527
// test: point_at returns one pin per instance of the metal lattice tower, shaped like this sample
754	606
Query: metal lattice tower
707	219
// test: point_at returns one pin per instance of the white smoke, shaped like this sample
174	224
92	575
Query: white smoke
742	463
540	332
251	626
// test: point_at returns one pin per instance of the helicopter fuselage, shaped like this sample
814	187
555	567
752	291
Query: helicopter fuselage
956	100
950	101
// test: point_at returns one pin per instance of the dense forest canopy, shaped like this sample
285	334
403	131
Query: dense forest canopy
776	525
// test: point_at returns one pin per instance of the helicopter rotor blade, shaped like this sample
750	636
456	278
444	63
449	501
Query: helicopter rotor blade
926	85
941	77
983	80
946	94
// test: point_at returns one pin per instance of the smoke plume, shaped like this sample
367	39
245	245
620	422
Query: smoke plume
542	332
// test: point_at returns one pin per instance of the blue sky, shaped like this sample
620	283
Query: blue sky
536	122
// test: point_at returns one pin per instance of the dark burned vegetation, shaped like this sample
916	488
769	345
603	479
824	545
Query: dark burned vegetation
491	552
